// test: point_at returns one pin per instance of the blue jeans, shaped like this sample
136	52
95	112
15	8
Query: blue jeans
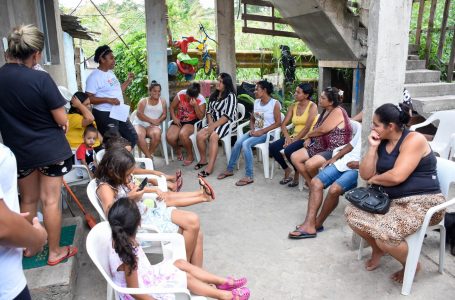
245	143
346	180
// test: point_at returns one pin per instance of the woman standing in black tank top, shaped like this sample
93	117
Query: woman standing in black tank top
402	163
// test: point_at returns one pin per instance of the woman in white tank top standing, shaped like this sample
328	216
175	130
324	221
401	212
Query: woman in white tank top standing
151	111
265	117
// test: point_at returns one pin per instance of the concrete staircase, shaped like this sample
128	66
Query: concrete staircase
427	92
325	25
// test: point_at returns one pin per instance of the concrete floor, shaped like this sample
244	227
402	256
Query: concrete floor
246	229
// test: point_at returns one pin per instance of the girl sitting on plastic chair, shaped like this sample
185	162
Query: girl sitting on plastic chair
114	181
113	139
130	267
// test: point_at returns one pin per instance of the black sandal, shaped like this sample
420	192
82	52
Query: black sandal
203	174
293	184
285	180
199	165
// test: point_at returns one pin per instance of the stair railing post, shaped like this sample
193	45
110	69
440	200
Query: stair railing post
442	37
419	22
451	61
430	32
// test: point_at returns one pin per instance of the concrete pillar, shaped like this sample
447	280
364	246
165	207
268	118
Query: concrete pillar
325	79
388	38
155	17
358	86
225	33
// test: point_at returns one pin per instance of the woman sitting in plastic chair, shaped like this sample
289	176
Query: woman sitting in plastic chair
265	117
402	163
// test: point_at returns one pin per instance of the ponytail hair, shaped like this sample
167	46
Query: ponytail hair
334	95
124	218
397	114
24	41
265	85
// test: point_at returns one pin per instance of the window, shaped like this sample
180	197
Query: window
48	24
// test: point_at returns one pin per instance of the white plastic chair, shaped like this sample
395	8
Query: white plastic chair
446	175
99	244
201	123
133	116
440	143
263	148
272	171
227	139
452	147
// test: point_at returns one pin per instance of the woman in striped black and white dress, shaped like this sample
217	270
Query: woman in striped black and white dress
222	110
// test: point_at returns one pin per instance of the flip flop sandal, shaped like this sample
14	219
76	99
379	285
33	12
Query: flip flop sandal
186	163
319	229
207	187
293	184
285	180
244	181
224	175
179	183
203	174
180	157
178	174
302	235
199	165
71	251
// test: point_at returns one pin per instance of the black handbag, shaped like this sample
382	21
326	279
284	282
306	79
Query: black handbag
371	199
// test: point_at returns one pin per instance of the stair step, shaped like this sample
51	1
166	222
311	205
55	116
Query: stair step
418	90
413	49
415	64
423	75
425	106
413	57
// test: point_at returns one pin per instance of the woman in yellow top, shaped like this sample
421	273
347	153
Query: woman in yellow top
302	114
79	117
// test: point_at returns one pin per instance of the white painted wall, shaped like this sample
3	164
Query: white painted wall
68	51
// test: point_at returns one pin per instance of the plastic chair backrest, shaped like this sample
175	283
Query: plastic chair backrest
99	155
446	174
240	111
133	116
445	127
93	198
98	245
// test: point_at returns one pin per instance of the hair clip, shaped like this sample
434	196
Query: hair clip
340	93
399	108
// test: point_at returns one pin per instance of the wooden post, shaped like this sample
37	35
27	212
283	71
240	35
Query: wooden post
442	37
451	62
430	31
419	22
225	34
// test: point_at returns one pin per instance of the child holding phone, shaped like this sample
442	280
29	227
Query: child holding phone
114	181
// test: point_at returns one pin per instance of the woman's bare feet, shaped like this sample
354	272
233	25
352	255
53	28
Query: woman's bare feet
372	263
399	275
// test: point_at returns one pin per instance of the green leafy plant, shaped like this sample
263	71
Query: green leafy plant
133	59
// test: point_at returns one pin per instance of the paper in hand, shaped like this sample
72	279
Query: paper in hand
120	112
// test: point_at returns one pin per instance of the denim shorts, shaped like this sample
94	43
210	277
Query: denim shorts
346	180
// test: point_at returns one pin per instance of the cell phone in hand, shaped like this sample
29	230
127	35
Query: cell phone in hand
143	184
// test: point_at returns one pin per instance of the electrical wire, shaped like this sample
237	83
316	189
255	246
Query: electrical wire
71	13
